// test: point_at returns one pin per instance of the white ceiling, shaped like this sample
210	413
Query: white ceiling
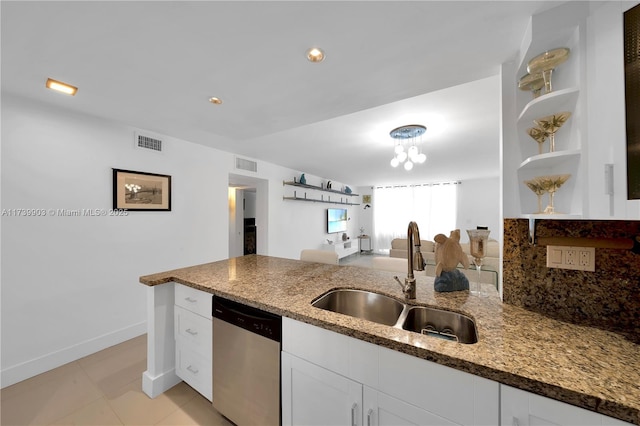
153	65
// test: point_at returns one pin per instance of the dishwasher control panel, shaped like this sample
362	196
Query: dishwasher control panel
247	317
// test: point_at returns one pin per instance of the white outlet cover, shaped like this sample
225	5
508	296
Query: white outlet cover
575	258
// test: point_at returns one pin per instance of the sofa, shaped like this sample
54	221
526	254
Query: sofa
427	248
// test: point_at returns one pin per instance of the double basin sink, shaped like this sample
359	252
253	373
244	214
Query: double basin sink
386	310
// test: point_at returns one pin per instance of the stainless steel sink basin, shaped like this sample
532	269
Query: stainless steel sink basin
361	304
386	310
439	323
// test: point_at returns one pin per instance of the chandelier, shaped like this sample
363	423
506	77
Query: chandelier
407	145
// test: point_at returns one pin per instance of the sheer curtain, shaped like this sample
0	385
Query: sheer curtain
432	206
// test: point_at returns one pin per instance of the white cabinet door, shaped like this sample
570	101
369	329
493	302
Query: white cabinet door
522	408
459	397
381	409
312	395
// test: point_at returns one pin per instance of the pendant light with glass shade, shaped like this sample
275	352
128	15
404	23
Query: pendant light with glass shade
407	145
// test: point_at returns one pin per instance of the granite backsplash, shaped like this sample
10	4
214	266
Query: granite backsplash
608	298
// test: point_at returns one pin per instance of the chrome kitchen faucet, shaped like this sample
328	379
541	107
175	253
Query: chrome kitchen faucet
413	261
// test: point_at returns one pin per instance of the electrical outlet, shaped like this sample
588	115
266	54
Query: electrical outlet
576	258
586	258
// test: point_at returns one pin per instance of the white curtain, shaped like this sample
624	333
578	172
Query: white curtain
432	206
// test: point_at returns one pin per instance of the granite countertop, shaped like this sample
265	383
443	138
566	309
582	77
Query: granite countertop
583	366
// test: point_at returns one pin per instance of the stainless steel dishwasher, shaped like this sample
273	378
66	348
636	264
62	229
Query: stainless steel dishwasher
246	363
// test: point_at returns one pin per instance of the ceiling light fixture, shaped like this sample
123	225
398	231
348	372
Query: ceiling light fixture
315	54
61	87
214	100
407	145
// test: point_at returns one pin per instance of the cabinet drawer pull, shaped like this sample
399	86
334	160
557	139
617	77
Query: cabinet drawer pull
191	332
353	414
193	370
369	414
190	300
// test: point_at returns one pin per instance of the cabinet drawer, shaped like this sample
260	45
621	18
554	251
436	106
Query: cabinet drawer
195	369
193	331
194	300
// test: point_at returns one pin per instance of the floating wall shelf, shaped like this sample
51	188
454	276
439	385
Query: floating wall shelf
321	200
318	188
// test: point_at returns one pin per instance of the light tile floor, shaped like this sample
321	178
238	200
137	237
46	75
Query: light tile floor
103	389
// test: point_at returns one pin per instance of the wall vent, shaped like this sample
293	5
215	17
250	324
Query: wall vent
248	165
148	142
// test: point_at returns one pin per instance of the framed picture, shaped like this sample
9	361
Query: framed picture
366	199
141	191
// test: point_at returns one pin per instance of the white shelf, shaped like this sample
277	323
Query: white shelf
549	160
551	103
319	188
558	216
313	200
346	201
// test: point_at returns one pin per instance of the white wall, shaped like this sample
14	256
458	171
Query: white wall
365	215
606	111
70	284
296	225
249	204
479	205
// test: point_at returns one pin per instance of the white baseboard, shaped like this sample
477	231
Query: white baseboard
33	367
154	386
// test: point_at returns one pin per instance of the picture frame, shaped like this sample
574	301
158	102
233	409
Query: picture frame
141	191
366	199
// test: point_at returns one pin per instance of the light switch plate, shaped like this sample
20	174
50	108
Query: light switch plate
576	258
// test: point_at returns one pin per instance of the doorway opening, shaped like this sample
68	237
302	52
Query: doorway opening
248	215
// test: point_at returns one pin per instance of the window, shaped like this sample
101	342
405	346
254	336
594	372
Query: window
432	206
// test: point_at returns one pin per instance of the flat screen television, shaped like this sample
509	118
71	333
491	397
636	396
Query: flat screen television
336	220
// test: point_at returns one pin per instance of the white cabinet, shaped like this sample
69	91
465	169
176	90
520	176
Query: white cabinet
381	409
343	248
193	332
312	395
521	408
395	388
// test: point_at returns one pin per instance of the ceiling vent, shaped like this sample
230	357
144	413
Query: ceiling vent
151	143
248	165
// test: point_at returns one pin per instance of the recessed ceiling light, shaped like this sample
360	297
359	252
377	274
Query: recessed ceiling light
61	87
315	54
214	100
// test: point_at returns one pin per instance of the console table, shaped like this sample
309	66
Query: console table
342	248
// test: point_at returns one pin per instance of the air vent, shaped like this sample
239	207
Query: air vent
248	165
148	142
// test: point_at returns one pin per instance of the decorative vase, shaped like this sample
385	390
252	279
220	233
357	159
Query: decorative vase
303	180
478	239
